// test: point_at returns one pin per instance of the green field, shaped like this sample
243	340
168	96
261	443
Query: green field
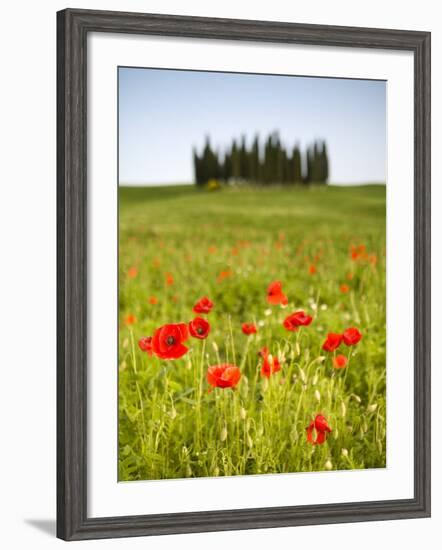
327	246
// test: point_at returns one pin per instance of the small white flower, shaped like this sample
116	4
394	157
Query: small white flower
267	312
324	307
261	323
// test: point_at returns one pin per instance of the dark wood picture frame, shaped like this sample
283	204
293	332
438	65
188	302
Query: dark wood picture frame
73	27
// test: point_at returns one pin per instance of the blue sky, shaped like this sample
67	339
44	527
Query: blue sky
164	113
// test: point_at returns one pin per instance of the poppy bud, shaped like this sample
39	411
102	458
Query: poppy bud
298	349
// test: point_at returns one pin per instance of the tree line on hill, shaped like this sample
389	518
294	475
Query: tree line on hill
267	164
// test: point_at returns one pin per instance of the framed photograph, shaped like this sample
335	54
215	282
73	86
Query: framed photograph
243	274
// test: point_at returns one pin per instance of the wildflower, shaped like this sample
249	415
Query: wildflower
344	288
340	362
169	279
320	426
270	364
130	319
351	336
297	319
312	269
223	376
153	300
332	342
132	272
275	295
249	328
167	341
204	305
224	275
199	328
145	344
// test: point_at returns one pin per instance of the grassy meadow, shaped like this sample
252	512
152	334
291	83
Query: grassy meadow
326	245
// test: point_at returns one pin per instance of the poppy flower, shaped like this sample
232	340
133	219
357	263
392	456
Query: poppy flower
169	279
312	269
145	344
319	426
351	336
344	288
153	300
275	294
297	319
223	376
167	341
270	364
249	328
199	328
132	272
204	305
130	319
332	342
340	362
224	275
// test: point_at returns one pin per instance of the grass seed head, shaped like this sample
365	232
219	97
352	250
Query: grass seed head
223	434
317	396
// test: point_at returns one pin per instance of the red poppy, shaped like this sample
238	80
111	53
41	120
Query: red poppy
249	328
223	376
153	300
167	341
145	344
275	294
204	305
297	319
130	319
224	275
340	362
132	272
169	279
351	336
312	269
321	427
332	342
270	364
344	288
199	328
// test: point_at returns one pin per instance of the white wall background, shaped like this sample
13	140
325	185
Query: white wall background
27	252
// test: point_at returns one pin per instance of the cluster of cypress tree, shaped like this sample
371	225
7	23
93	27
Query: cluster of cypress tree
270	163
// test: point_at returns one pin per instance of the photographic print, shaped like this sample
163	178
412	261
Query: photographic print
252	279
